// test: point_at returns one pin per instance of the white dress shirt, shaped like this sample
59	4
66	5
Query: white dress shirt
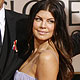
2	23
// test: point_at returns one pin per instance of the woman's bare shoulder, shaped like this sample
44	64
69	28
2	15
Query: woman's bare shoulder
47	66
49	55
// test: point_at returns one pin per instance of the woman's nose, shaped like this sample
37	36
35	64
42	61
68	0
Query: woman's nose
43	24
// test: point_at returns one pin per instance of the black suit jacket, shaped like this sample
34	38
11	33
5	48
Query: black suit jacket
9	59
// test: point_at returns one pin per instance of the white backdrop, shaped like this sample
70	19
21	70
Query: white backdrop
72	8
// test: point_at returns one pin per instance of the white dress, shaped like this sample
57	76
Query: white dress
22	76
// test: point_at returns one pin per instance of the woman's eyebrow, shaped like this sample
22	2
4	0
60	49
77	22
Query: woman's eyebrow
38	16
48	18
51	18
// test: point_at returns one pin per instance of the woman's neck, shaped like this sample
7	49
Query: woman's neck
38	44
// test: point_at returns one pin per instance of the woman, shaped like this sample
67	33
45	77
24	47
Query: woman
49	42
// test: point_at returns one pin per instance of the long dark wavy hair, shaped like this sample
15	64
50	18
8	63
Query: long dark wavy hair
60	37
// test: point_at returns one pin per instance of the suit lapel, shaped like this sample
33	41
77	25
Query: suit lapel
11	26
3	50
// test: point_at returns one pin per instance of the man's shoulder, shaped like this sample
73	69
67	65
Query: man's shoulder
16	15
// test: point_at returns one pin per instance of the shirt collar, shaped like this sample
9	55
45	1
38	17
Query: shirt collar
2	14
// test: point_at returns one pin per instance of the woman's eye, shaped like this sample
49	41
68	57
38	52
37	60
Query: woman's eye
38	19
51	21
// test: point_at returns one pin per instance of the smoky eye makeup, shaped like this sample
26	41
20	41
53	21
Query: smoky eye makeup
51	21
38	19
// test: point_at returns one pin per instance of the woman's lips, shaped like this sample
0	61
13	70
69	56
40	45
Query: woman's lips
42	32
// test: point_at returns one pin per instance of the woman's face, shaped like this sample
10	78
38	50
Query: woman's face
43	25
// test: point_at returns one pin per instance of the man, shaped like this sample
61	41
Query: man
9	59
